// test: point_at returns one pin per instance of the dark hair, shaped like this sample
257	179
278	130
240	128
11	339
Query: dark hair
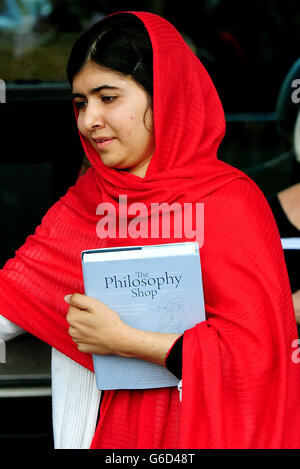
119	42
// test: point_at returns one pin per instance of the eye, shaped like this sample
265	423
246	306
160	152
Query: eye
108	99
80	104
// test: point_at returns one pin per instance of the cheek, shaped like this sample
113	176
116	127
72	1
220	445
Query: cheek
149	121
126	125
138	122
80	125
131	126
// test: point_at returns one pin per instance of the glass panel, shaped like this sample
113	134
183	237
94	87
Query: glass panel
247	47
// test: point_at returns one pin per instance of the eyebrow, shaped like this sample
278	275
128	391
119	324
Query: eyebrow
94	91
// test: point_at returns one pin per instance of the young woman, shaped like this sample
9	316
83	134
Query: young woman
151	123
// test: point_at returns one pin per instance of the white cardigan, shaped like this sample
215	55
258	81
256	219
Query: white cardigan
75	397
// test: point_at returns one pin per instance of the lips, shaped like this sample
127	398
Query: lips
102	139
102	142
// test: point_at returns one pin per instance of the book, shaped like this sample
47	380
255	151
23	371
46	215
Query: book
155	288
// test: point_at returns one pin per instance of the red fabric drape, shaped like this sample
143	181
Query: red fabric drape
240	384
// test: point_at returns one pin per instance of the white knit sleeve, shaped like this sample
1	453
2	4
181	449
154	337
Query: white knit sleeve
8	330
75	401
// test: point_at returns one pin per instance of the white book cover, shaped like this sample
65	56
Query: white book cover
153	288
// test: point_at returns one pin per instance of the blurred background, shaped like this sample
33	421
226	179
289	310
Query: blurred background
251	51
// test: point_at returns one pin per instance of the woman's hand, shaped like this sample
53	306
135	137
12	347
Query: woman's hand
296	301
96	328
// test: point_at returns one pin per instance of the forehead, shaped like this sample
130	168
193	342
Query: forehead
92	76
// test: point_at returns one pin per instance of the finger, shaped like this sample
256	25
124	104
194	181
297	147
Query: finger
73	314
77	300
72	332
81	301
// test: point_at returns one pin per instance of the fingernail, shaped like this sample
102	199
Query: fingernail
67	298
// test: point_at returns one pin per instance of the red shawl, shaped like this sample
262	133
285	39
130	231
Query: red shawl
240	384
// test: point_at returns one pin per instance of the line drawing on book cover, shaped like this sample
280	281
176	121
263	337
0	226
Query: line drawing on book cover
172	313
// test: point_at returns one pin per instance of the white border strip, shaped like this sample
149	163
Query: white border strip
290	243
2	351
25	392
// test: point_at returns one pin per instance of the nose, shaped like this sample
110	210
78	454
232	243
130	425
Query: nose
93	117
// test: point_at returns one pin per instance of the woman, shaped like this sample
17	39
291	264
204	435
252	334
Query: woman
239	383
285	207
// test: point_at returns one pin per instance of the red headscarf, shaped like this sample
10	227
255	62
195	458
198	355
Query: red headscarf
240	384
